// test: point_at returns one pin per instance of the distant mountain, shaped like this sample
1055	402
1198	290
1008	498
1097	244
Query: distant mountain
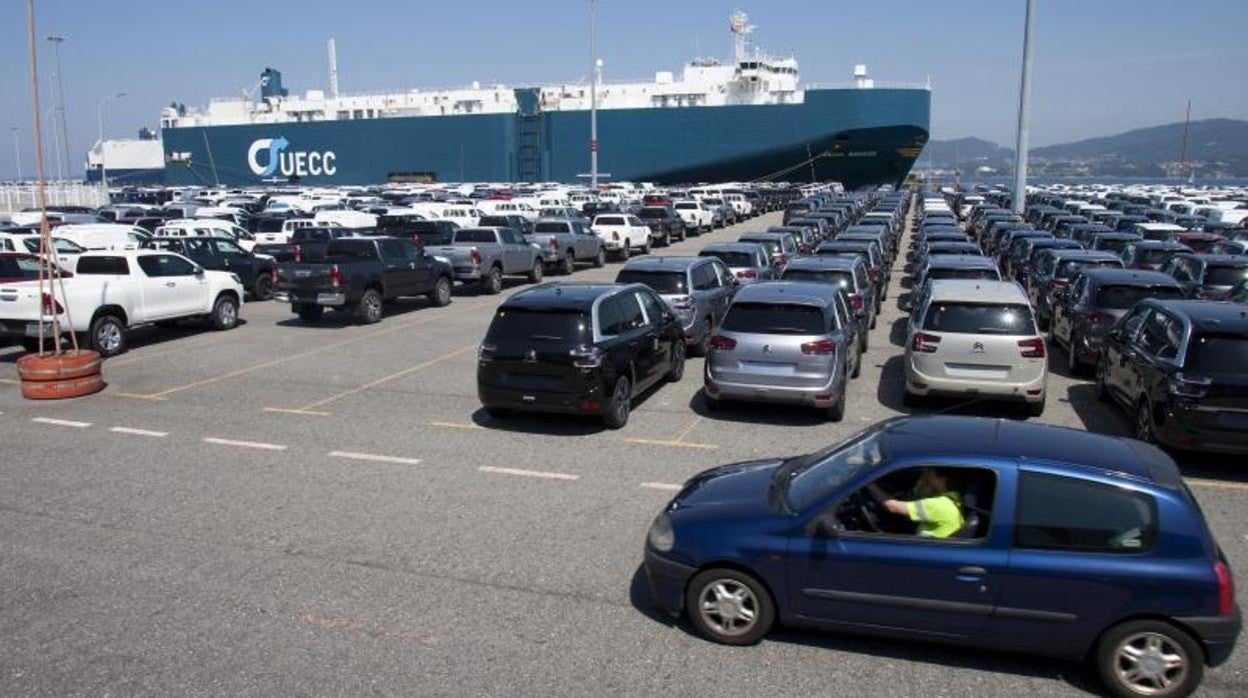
1215	148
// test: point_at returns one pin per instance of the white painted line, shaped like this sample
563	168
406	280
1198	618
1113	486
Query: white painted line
61	422
245	444
662	486
374	458
527	473
139	432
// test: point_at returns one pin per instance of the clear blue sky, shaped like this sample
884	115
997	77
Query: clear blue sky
1102	66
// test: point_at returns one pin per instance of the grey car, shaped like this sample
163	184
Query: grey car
697	289
748	261
807	235
781	246
848	273
781	342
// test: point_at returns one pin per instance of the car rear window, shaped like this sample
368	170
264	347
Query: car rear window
1218	353
1067	270
1225	275
652	213
471	235
1065	513
772	246
609	220
434	237
19	268
102	266
1112	245
1123	296
686	207
1157	256
660	281
527	325
774	318
979	318
844	279
962	273
552	227
732	259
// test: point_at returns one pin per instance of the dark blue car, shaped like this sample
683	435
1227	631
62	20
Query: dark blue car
1068	544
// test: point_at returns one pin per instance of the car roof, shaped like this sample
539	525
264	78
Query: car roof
803	292
1159	245
1221	259
962	261
1082	255
746	237
826	262
1117	235
1142	277
558	295
979	437
978	290
1210	316
664	263
731	247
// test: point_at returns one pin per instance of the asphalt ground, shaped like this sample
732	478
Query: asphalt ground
288	509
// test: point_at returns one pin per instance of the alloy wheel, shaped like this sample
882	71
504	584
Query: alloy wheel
728	607
1150	663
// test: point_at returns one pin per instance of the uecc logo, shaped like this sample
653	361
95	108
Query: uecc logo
297	163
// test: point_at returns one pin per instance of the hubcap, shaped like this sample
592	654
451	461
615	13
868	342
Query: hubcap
1150	663
108	337
444	290
620	400
374	306
227	313
728	607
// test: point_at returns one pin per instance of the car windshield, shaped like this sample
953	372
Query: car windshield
844	279
526	325
1111	245
660	281
979	318
732	259
1225	275
774	318
1218	354
1157	256
1122	296
806	479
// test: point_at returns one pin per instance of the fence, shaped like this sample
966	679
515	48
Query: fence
16	197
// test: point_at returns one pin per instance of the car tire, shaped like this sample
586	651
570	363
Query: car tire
262	290
717	600
1101	386
1073	366
492	282
369	310
626	250
108	335
667	239
874	319
645	249
535	274
704	344
310	314
836	412
600	260
1157	641
440	296
677	369
569	264
857	366
1035	409
616	415
224	313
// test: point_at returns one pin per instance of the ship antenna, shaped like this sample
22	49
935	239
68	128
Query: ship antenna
739	24
333	69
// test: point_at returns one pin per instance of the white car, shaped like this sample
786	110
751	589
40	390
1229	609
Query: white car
289	226
621	233
206	228
67	251
743	206
114	292
698	216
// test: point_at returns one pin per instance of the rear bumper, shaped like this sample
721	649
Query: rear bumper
918	383
821	395
24	329
467	273
667	580
1217	634
1183	430
591	401
334	300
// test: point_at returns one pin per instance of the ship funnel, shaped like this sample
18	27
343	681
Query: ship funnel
333	70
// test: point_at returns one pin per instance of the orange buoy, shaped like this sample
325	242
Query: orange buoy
55	377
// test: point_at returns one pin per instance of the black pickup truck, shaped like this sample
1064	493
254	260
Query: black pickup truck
359	275
223	254
308	244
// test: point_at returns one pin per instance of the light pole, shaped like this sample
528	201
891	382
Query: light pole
99	118
57	40
1020	146
56	141
593	101
17	153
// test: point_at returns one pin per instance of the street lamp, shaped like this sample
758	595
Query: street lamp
60	99
594	67
99	119
17	153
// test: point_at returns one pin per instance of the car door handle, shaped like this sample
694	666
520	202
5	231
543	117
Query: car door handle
171	284
972	571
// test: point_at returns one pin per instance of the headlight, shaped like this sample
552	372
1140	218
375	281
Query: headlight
661	536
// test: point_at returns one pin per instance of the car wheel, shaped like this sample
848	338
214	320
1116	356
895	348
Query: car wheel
600	260
667	240
569	264
535	274
369	310
836	412
108	335
857	366
1149	658
441	294
492	283
225	313
1144	423
626	250
616	415
1102	386
677	370
729	607
1035	409
263	289
874	318
645	249
310	314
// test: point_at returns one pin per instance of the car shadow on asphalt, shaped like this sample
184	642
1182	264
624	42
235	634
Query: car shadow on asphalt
342	319
749	413
897	333
888	649
509	282
137	338
549	424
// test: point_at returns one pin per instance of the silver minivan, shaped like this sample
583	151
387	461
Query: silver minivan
697	289
748	261
975	339
781	342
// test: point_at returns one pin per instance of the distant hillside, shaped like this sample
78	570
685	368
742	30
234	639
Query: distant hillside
1215	148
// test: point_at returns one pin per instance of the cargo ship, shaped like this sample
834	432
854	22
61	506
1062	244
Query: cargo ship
747	119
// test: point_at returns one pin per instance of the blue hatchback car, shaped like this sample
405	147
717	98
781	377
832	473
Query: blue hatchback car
1063	543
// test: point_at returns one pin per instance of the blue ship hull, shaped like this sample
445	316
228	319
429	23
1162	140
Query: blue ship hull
860	137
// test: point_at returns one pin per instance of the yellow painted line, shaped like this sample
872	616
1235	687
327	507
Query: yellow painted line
457	425
385	379
303	354
672	443
292	410
1216	484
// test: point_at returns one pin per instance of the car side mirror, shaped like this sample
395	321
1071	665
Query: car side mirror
199	271
821	527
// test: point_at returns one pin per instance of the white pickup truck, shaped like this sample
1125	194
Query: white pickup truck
114	292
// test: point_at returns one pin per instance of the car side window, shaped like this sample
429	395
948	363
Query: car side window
1067	513
198	246
163	265
961	508
653	306
227	248
610	322
1161	336
703	278
1179	270
393	249
631	316
1134	320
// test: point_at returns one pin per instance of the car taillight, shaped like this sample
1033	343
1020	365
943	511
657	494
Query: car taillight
747	274
51	306
856	302
821	347
722	343
1193	387
335	276
586	357
298	254
924	342
474	256
485	353
1226	588
1032	348
553	244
